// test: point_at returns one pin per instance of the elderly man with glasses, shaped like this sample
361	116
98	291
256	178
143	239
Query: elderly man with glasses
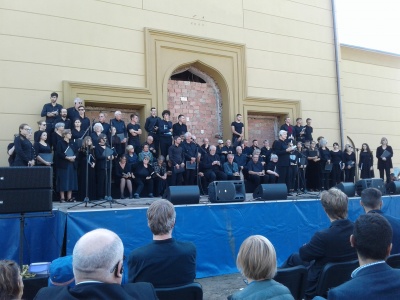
24	153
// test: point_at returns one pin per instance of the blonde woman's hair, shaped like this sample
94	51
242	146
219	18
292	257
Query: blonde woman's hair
257	258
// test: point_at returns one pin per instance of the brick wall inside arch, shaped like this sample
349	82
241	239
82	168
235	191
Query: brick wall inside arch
262	128
200	108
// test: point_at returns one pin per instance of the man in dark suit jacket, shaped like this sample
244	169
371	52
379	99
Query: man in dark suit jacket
329	245
283	149
371	201
374	279
165	262
97	262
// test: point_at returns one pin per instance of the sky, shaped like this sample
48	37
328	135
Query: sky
373	24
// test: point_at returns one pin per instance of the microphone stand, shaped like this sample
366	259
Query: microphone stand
86	200
108	198
303	178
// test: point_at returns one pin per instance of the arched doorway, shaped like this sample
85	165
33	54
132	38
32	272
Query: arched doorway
195	94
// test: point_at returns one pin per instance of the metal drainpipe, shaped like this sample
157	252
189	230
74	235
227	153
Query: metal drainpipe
338	83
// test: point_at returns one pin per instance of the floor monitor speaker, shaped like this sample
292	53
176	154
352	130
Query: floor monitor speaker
348	188
226	191
394	187
25	201
187	194
12	178
270	192
370	183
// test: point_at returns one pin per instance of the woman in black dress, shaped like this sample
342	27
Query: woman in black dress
67	179
86	160
41	147
312	171
24	152
143	175
366	162
337	162
77	131
384	159
123	176
349	160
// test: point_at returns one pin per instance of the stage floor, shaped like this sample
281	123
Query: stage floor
145	202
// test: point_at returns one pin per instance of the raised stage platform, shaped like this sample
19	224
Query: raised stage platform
217	229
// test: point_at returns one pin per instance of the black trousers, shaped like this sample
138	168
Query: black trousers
283	172
165	143
141	183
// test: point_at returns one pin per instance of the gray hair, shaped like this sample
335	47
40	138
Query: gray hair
96	253
273	156
281	132
161	217
78	100
212	147
230	155
59	125
98	125
117	112
187	134
161	157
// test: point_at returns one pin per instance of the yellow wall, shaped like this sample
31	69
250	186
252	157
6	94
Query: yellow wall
371	96
289	51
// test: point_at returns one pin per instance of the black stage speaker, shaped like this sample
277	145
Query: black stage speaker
24	201
270	192
394	187
186	194
348	188
26	178
370	183
226	191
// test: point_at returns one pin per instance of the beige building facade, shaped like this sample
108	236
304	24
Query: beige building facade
264	59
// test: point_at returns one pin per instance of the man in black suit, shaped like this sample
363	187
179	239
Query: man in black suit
165	262
374	279
371	201
97	262
328	245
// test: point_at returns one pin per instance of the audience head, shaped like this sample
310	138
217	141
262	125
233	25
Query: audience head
256	259
61	273
161	217
372	237
335	203
98	255
11	285
371	198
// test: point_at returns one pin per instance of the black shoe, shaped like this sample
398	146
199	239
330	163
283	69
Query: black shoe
151	195
136	196
290	194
